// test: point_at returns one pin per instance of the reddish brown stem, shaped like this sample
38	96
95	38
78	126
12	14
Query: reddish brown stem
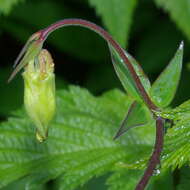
110	40
155	157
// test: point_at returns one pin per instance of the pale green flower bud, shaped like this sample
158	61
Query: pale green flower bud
39	92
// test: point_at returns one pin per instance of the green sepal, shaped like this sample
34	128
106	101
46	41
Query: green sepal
164	88
124	74
29	52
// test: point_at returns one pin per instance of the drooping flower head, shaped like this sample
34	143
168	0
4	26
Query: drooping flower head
39	92
39	83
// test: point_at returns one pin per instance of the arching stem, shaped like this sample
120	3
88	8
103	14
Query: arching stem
110	40
155	157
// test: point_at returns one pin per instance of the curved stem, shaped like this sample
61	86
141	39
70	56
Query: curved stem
155	157
109	39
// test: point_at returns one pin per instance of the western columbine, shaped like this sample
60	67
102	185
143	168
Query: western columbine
39	92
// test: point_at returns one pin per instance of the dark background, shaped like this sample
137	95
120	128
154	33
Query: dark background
81	56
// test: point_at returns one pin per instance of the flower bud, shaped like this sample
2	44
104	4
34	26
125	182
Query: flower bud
39	92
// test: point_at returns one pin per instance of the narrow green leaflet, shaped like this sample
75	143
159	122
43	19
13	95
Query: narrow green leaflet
179	12
165	86
7	5
125	76
80	145
126	124
116	16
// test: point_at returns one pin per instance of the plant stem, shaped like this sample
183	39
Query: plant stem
109	39
155	157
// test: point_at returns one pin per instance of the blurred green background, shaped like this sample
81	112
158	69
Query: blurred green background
150	31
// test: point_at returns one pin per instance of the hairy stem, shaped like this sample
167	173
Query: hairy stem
155	157
110	40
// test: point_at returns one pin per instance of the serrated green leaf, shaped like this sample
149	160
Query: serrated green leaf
7	5
163	89
80	144
176	148
125	76
116	16
179	12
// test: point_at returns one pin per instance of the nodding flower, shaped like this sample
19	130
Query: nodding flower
39	92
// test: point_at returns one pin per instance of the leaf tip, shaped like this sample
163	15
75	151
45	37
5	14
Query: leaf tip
11	77
181	46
